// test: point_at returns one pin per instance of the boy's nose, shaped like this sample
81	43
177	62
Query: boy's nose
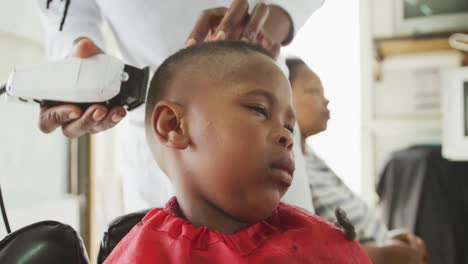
284	138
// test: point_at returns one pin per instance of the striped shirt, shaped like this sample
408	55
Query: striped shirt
329	192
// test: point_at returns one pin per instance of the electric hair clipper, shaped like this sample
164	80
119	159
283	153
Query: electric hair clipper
101	79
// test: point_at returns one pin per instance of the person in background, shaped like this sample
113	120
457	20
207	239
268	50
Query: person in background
329	191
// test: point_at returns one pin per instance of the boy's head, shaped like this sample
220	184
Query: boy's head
219	122
310	104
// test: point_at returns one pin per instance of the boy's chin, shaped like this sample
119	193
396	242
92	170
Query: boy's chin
258	216
263	210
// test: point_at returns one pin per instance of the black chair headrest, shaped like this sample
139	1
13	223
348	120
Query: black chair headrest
43	242
116	231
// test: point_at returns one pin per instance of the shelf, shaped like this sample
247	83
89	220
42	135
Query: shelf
392	47
412	50
412	44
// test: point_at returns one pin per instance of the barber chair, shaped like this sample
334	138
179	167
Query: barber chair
116	231
42	242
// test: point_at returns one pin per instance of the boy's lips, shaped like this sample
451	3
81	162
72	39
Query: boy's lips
283	170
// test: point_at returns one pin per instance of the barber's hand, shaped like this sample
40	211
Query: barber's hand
392	253
74	121
400	253
268	25
414	242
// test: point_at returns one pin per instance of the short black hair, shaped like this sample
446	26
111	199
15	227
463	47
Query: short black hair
293	63
168	70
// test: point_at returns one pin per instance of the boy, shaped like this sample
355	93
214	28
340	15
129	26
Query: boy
219	123
328	191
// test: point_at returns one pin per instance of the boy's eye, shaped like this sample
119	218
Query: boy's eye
259	109
290	128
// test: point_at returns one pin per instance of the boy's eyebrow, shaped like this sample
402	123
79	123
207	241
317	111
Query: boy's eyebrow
269	96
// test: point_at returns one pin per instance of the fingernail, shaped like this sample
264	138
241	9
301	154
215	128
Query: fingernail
190	42
98	115
116	118
220	35
73	115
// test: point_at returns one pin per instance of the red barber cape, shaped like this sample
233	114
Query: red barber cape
290	235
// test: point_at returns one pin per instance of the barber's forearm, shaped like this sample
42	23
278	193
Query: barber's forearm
278	26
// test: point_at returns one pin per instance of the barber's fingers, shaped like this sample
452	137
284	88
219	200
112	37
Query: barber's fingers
404	236
209	19
52	117
210	35
412	240
113	117
422	249
84	48
256	22
271	46
87	123
416	243
275	49
234	21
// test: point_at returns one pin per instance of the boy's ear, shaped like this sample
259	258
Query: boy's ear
167	125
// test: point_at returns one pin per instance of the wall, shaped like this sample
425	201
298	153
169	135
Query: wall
331	49
20	18
33	166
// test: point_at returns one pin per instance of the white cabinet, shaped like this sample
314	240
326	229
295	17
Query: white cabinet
404	106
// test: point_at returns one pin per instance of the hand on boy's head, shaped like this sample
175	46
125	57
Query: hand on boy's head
74	121
235	23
